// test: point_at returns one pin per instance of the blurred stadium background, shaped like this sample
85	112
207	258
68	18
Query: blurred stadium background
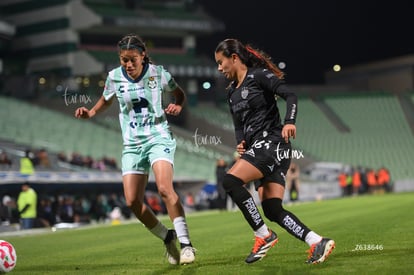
54	56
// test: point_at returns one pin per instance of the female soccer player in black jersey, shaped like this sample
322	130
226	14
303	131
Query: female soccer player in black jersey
263	142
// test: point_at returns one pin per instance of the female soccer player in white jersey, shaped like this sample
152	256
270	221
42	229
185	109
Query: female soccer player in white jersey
138	86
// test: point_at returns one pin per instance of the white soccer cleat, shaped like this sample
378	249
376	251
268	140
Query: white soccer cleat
187	255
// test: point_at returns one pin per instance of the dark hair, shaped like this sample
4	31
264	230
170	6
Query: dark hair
133	42
249	56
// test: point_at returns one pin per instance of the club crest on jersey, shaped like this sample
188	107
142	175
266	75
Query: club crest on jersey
152	83
244	92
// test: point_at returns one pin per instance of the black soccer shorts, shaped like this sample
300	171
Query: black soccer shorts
272	157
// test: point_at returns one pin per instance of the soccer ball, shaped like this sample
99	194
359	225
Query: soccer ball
8	257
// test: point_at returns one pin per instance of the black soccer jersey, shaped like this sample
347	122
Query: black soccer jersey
254	106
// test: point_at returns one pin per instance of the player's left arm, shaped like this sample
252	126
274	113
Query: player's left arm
180	99
289	127
270	82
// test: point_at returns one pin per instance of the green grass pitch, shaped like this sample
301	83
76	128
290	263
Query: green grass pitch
374	235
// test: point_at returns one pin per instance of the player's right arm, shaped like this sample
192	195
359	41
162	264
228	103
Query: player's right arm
101	105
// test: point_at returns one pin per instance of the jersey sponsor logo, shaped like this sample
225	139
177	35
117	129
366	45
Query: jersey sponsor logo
240	106
252	209
293	226
152	83
133	125
122	89
139	103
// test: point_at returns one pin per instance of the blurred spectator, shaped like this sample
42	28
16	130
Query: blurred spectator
206	197
110	162
364	182
43	158
4	159
292	180
116	200
27	206
100	165
103	164
62	157
384	179
76	159
342	182
8	211
356	181
45	213
154	202
349	183
88	162
371	180
56	203
65	212
26	164
189	202
80	214
99	208
4	212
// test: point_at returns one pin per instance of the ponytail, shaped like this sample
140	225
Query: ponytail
260	58
248	55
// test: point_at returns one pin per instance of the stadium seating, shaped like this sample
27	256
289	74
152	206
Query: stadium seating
37	127
214	115
379	134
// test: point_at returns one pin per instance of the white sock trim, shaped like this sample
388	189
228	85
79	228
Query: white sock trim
262	232
181	229
312	238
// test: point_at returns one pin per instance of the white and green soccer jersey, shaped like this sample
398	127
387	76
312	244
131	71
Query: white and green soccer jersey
141	115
